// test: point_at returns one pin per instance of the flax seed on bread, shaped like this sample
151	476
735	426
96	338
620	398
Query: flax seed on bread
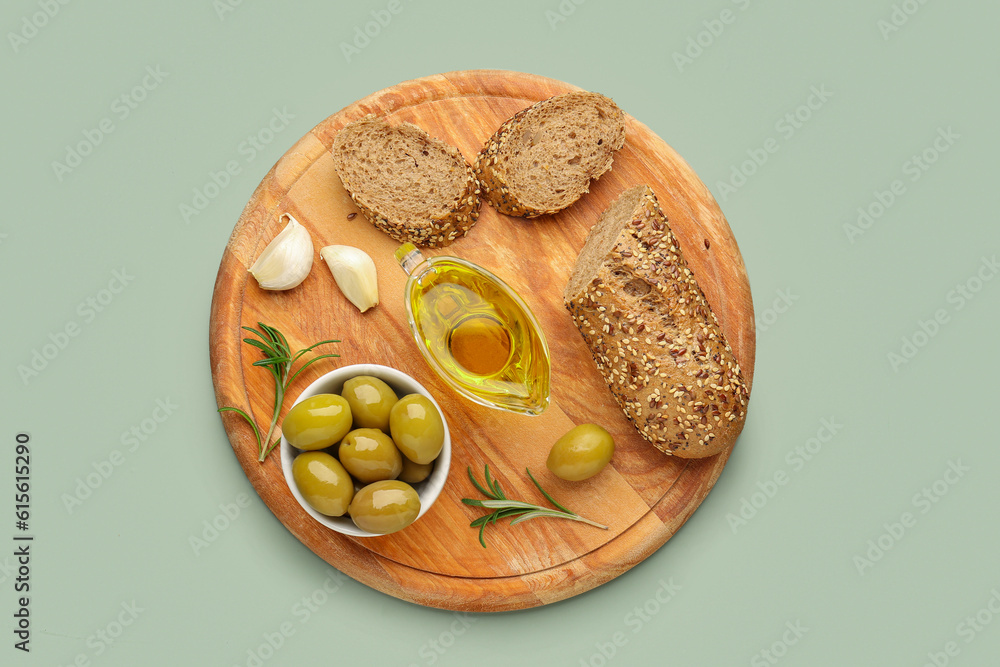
542	159
653	335
408	184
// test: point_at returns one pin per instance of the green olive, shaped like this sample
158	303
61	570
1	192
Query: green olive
370	455
323	483
385	507
417	428
371	400
414	472
581	453
318	422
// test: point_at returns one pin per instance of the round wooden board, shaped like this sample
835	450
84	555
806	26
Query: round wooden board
643	496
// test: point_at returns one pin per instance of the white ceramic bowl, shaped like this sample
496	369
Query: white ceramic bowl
402	384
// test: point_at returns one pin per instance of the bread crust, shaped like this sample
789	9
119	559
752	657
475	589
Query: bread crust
492	175
657	342
433	232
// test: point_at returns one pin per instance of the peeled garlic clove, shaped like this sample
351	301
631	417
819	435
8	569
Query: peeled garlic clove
354	272
286	260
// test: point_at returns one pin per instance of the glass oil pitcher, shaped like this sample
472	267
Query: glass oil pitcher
476	332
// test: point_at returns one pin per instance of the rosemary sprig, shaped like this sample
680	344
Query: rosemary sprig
504	508
278	360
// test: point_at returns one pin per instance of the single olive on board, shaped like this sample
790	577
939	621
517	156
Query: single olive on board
385	507
581	453
323	483
417	428
414	472
371	399
370	455
318	422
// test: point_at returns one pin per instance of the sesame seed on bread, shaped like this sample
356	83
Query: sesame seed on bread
653	335
542	159
408	184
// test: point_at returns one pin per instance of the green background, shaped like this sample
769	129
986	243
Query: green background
826	356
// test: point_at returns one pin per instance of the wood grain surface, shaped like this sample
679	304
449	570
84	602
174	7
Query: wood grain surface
643	496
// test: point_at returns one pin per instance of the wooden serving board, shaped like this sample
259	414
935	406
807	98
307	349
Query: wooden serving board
643	496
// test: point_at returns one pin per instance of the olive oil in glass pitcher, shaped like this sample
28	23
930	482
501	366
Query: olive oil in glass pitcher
476	332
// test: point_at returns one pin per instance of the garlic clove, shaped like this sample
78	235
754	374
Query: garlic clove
286	260
354	272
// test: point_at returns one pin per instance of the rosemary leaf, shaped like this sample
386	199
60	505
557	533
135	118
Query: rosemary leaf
516	510
278	361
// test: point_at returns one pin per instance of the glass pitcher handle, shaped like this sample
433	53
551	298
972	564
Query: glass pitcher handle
408	257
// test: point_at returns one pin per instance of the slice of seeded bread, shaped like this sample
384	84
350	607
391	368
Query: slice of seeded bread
542	159
408	184
653	335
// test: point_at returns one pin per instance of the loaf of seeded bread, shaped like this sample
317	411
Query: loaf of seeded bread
542	159
653	335
408	184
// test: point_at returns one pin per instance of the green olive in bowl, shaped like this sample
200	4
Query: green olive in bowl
323	483
581	453
370	455
414	473
370	399
318	422
385	507
417	428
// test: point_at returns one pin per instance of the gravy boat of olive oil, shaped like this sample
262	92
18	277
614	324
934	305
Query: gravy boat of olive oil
476	332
